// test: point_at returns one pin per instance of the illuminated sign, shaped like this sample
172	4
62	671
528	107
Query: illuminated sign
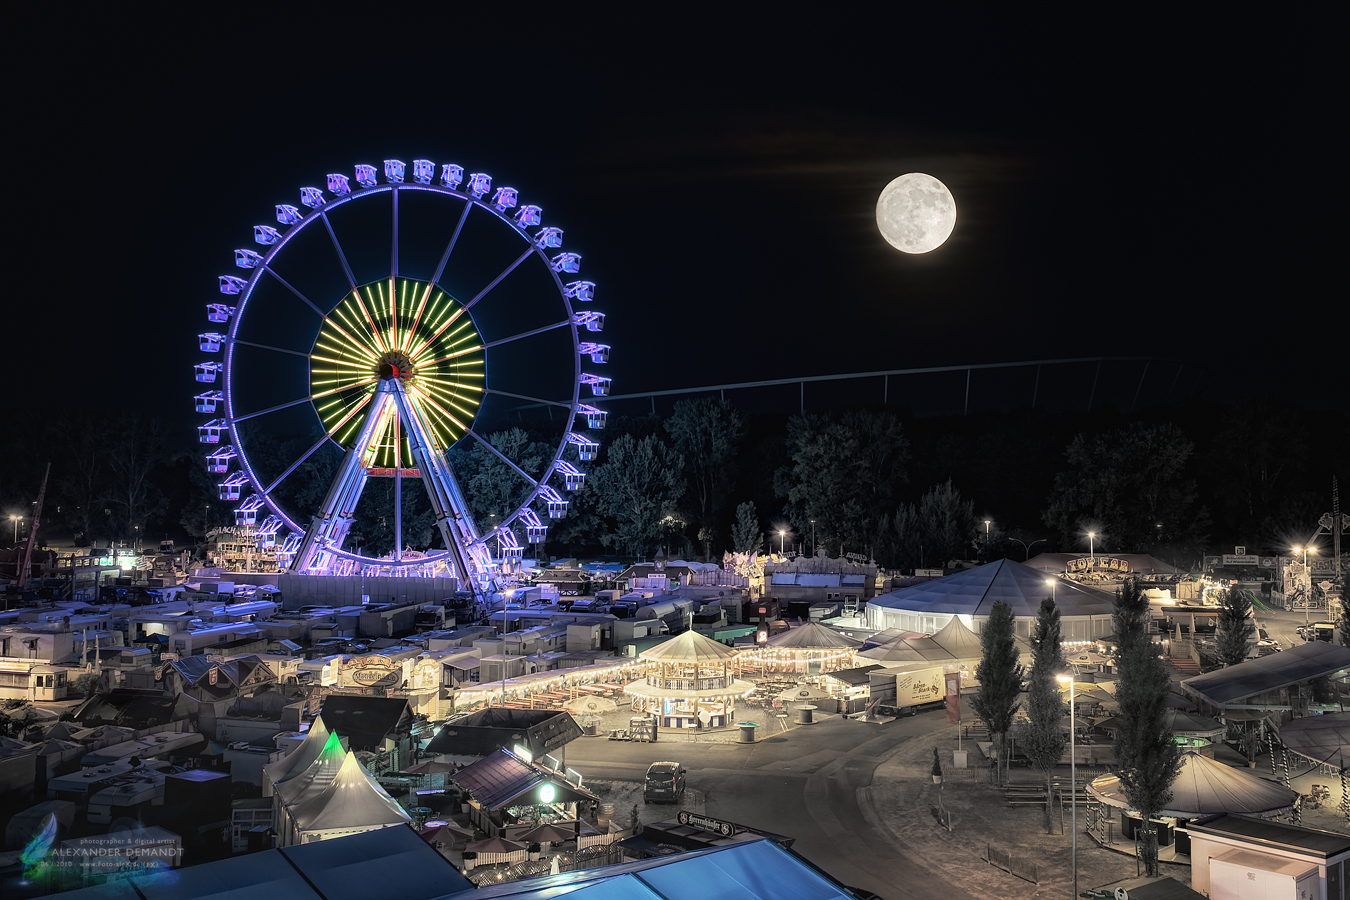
1109	563
708	824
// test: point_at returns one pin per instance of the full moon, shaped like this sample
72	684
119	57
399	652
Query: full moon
916	213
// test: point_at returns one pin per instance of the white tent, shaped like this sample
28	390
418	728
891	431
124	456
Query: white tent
298	759
1206	787
351	803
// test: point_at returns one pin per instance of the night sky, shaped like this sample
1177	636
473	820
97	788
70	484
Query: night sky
1156	188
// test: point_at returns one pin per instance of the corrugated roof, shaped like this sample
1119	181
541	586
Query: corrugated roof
1292	837
1269	673
501	777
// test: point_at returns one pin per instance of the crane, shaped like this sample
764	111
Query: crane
32	532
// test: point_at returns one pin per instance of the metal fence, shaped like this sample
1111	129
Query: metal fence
569	861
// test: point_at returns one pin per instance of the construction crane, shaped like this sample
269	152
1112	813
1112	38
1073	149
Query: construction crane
32	532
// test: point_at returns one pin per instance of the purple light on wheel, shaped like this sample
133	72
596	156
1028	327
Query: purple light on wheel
207	402
210	432
597	352
567	262
528	216
452	175
549	238
573	477
218	461
289	215
580	290
593	321
338	184
247	259
365	176
231	284
206	372
587	449
557	506
480	183
505	198
210	341
312	197
393	171
423	171
218	312
599	384
595	418
265	235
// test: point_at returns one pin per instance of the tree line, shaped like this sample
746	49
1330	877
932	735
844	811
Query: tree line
906	491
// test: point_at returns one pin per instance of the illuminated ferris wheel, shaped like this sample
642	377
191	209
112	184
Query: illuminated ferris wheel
373	337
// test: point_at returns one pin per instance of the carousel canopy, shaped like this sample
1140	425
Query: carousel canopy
1182	724
689	647
1206	787
1324	738
812	636
299	759
974	591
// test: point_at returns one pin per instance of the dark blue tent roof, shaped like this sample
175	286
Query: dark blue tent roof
973	592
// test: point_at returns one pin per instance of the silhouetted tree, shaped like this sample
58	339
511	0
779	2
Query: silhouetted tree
1000	677
638	485
1146	752
745	534
1235	627
946	522
707	433
1042	740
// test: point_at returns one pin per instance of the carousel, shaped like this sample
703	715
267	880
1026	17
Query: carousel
804	651
690	682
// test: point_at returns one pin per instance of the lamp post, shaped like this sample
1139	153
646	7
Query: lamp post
1052	583
813	537
16	520
986	538
1073	778
782	536
1026	548
1092	548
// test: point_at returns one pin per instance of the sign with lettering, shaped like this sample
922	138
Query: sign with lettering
374	671
1232	559
1098	564
953	696
708	824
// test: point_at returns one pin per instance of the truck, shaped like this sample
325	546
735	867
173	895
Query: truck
906	692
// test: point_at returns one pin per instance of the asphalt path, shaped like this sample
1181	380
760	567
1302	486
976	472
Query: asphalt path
804	784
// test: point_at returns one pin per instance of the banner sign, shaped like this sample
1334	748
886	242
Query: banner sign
953	696
1110	563
708	824
1232	559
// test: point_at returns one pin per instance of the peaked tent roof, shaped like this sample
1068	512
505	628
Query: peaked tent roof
299	759
812	636
353	800
972	592
317	776
954	641
689	647
1206	787
1268	673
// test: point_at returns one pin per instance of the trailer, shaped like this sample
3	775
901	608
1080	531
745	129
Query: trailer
908	691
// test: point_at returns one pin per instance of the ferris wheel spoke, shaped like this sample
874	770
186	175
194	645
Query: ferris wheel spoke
393	261
524	334
287	285
263	412
342	257
531	399
498	280
270	347
450	247
319	443
504	458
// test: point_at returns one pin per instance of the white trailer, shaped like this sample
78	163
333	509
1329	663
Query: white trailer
1244	875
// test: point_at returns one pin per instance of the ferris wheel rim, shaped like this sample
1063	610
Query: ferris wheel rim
319	213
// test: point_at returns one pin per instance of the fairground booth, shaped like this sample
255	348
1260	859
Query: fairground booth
690	682
509	794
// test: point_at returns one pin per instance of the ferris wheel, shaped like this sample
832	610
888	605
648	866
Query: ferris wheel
376	332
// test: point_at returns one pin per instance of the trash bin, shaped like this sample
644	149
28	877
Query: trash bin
804	714
747	732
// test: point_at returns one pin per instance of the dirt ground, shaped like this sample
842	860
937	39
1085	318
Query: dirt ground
902	800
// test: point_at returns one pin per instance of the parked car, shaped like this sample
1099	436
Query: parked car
664	783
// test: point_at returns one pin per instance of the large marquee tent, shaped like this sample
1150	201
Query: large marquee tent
1207	787
970	595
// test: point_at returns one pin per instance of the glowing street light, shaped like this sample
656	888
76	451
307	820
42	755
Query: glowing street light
813	537
1073	776
1092	547
782	536
1052	583
17	519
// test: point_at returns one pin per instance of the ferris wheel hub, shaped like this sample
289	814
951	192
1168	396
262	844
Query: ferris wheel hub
394	364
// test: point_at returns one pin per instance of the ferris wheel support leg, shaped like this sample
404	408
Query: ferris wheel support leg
447	500
329	528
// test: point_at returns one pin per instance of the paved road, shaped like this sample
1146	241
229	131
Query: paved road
803	784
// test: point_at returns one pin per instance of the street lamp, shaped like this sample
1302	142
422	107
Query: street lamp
782	536
813	537
1026	548
1052	583
1073	777
1092	548
986	537
16	520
